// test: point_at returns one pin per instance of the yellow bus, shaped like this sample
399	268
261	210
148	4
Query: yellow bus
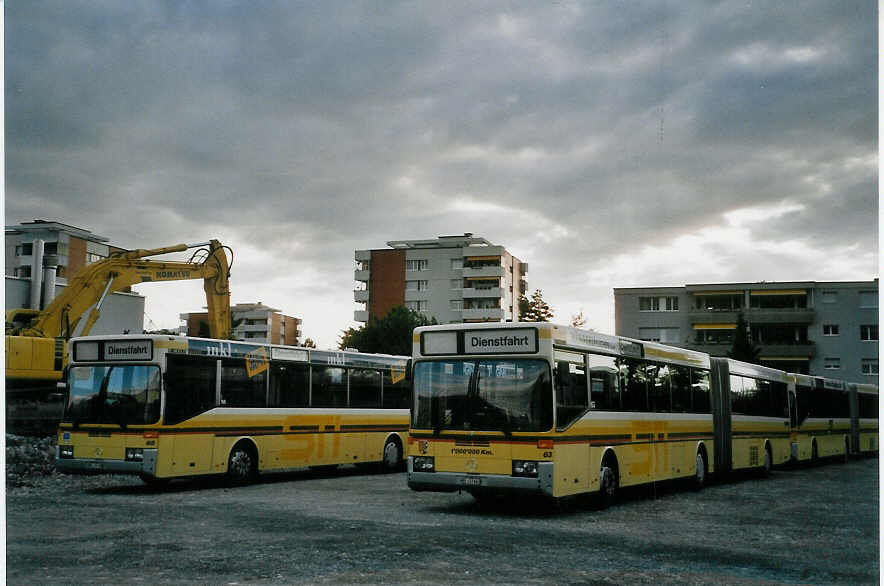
164	407
558	411
831	418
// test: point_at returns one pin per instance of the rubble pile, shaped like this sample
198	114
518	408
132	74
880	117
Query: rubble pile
27	457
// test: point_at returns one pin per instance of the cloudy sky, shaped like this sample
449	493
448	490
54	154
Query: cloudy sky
608	144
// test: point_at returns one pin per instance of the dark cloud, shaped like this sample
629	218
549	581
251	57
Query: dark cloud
571	132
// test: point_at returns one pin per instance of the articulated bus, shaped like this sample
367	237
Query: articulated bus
553	410
831	418
164	407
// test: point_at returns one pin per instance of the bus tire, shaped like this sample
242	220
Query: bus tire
392	455
609	481
845	458
701	470
242	464
814	454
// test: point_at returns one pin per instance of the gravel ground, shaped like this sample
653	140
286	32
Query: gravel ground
810	526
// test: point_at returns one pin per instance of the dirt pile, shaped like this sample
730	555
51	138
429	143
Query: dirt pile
27	457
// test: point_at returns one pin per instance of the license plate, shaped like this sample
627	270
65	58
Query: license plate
472	481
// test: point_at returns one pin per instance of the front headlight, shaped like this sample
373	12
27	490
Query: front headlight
524	468
134	454
66	452
424	464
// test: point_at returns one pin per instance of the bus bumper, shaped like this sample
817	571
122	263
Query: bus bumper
147	466
454	481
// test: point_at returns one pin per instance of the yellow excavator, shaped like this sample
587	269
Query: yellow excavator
36	339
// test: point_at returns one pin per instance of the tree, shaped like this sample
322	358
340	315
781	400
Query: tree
309	343
390	334
743	348
577	320
534	309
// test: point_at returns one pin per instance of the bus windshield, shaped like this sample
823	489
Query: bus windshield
489	395
121	394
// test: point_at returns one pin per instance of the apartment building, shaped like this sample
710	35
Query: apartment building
825	329
453	279
254	322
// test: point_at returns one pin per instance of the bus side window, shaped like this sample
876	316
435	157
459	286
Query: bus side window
738	404
329	386
190	387
658	388
290	385
680	379
365	388
604	383
396	393
700	391
571	392
238	389
634	384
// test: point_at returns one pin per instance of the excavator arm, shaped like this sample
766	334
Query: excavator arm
26	344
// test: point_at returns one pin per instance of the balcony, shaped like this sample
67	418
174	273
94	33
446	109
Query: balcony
491	313
362	255
798	350
360	296
491	272
360	316
493	250
362	276
705	316
251	328
801	315
493	293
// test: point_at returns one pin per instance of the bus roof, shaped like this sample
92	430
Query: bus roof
582	340
193	346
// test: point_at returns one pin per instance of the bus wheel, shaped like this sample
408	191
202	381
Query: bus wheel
700	474
242	466
609	482
814	454
392	455
846	457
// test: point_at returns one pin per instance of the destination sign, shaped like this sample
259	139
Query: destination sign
509	341
128	350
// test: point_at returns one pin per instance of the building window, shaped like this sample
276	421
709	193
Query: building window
456	264
416	305
23	272
778	301
832	363
664	335
868	333
720	302
91	257
362	265
456	304
457	283
830	330
658	303
416	285
417	265
868	299
722	336
870	366
830	297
